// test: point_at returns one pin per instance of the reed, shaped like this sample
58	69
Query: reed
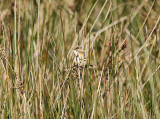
119	38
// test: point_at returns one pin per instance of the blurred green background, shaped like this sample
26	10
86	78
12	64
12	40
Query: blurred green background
120	37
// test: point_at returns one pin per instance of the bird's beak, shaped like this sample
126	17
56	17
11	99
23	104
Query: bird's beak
71	51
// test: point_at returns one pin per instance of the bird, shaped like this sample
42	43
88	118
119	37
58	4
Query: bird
79	57
79	66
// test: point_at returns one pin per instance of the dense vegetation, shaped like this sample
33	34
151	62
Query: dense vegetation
120	37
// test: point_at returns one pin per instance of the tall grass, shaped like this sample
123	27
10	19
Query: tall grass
121	38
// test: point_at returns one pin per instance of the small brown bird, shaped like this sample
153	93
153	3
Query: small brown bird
79	62
79	58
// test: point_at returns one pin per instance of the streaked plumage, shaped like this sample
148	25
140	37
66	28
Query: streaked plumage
79	62
79	58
